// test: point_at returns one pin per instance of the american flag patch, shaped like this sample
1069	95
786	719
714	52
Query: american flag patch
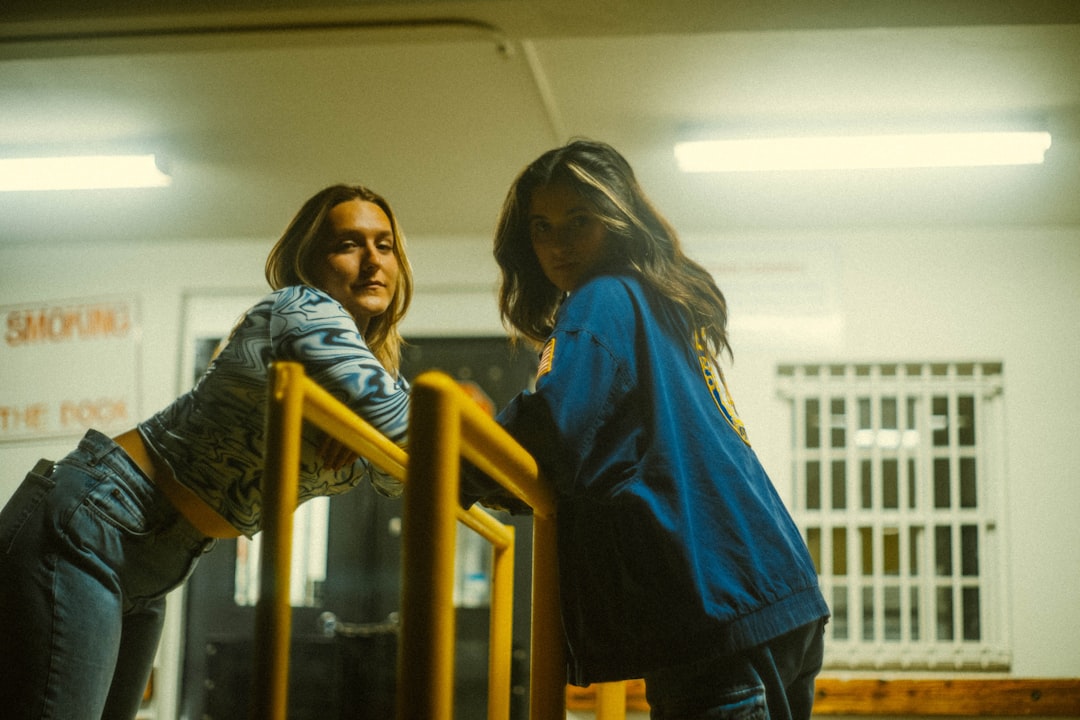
546	358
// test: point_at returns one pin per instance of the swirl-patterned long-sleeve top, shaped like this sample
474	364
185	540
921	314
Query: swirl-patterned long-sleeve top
213	437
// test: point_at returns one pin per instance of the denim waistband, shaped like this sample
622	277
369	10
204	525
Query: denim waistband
96	449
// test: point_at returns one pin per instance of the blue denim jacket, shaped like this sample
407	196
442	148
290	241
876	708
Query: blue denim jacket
673	543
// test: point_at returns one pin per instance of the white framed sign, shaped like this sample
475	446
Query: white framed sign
66	366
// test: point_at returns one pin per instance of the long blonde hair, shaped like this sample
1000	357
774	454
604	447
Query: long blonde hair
291	261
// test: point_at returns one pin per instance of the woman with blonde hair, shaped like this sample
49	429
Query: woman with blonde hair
91	544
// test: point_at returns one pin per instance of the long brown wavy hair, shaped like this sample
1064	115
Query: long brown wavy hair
647	245
292	258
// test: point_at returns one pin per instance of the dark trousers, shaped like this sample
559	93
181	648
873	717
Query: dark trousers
774	681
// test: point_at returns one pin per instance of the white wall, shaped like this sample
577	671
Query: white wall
995	294
1009	295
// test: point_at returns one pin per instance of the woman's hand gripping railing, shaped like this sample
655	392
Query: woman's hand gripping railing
447	425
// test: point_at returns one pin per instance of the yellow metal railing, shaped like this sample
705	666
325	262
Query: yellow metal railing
292	399
445	426
448	425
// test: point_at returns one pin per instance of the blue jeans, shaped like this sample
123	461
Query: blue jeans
774	681
88	550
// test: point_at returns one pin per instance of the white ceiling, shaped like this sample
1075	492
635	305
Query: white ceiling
256	104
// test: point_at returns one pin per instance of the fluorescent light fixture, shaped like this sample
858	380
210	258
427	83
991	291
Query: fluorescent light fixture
864	151
81	172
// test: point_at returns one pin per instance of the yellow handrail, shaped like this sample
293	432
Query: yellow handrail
446	424
273	614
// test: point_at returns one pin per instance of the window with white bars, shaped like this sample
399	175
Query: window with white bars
897	476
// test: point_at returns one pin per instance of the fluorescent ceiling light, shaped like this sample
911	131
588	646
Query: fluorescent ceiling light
82	172
863	151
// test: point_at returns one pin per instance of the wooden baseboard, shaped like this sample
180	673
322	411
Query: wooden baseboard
968	697
1013	697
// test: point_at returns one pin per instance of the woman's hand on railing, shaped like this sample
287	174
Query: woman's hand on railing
334	454
476	487
506	502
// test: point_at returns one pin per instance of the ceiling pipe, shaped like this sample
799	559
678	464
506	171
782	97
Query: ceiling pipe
503	45
494	33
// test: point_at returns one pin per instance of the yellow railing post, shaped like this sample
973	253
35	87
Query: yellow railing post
611	701
501	638
446	425
426	645
273	620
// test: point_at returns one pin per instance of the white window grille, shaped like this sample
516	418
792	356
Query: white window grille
897	480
